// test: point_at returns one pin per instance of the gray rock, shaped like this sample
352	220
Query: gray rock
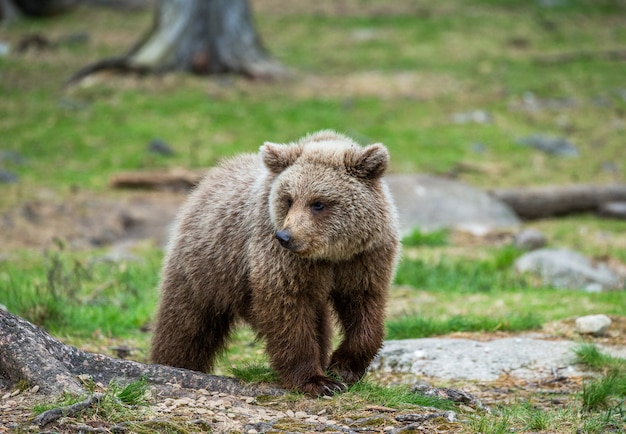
158	146
550	145
7	177
613	210
430	203
476	116
565	269
467	359
593	324
529	239
527	357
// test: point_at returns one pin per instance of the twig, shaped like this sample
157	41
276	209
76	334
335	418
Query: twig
53	414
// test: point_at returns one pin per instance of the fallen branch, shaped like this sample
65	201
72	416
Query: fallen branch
574	56
51	415
539	202
30	354
174	180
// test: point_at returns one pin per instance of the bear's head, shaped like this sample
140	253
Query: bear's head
327	199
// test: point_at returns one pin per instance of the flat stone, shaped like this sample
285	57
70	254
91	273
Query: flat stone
524	357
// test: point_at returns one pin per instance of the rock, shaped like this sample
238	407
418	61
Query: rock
7	177
522	357
593	324
430	203
158	146
5	49
566	269
613	210
529	239
550	145
476	116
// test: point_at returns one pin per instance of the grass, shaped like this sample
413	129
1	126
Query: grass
118	403
601	407
608	392
414	326
396	74
394	396
73	294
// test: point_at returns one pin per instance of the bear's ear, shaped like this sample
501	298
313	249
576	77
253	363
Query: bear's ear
369	162
278	157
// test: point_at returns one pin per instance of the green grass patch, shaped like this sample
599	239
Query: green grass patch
414	326
608	392
78	295
395	396
463	275
118	404
419	238
255	372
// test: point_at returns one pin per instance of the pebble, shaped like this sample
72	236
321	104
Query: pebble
530	239
593	324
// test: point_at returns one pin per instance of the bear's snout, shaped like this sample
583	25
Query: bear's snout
284	237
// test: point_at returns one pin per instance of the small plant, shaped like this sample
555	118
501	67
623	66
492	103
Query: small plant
255	372
115	405
134	393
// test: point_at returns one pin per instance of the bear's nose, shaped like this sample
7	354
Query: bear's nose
284	237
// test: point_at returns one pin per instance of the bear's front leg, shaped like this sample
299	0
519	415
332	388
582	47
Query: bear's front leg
359	298
363	325
297	332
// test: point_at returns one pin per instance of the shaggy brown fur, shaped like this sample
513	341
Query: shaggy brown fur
279	240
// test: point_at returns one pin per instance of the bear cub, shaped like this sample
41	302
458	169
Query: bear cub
282	240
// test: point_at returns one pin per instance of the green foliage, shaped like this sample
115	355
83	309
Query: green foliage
414	326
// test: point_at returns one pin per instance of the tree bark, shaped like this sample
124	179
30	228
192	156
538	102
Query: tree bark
12	9
539	202
200	36
30	354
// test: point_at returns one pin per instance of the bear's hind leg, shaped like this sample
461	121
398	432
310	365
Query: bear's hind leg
189	339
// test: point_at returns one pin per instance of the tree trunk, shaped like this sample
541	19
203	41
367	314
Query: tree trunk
12	9
532	203
200	36
28	353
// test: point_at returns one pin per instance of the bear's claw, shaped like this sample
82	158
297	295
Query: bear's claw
322	386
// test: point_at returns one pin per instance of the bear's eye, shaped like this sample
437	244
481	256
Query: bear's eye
288	202
318	206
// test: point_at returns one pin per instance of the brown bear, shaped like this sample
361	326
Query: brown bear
279	240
